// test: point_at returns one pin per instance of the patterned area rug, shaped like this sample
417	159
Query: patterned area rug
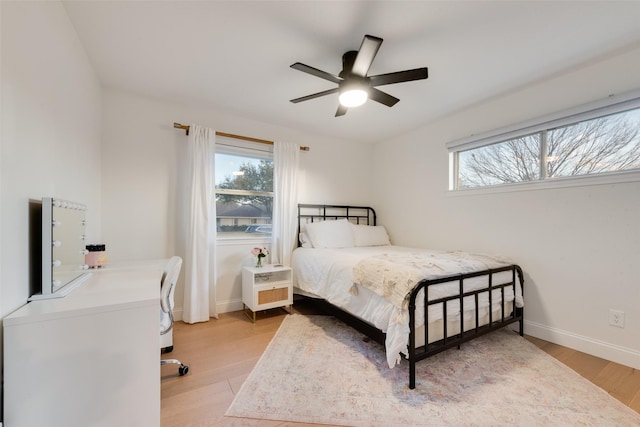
318	370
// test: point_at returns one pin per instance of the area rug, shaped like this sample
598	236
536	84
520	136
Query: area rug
319	370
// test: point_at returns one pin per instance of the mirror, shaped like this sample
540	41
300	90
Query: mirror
63	246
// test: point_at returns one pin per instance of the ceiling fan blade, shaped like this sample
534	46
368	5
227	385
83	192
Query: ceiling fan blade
383	98
315	95
366	54
315	72
399	77
341	111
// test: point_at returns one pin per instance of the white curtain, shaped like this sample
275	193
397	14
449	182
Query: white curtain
199	287
286	157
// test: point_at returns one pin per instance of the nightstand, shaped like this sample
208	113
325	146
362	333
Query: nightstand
266	287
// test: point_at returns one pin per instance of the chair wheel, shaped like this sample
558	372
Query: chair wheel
183	370
168	349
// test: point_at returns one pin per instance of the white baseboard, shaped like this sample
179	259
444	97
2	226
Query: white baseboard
228	306
223	307
177	313
622	355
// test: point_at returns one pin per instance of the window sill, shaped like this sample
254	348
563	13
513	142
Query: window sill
554	183
235	240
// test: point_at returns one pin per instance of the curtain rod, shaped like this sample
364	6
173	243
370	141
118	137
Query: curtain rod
230	135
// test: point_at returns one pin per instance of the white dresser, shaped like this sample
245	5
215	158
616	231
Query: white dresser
90	358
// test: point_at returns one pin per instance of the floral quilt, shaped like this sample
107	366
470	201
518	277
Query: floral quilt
393	275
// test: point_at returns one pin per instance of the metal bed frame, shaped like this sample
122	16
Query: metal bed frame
366	215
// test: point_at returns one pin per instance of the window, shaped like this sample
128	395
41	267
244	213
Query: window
244	189
594	141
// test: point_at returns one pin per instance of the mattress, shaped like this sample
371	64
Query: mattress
329	273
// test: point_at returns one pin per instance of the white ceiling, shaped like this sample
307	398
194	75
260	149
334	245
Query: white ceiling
234	56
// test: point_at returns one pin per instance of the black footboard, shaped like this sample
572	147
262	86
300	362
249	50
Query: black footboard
456	338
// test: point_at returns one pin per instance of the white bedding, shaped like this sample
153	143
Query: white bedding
328	273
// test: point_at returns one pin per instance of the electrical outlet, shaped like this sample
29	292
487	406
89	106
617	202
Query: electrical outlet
616	318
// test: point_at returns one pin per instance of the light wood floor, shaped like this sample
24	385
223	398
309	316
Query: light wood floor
221	354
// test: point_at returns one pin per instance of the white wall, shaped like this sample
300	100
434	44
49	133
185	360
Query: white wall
143	159
51	101
50	131
579	246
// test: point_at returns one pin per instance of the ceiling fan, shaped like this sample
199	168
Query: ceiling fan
354	86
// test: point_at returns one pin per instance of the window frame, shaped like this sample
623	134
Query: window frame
256	150
613	104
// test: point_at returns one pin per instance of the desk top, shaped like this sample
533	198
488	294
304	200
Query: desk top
114	287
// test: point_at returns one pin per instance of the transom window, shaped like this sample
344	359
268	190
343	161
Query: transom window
600	140
244	189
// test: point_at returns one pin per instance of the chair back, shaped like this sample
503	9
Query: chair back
169	279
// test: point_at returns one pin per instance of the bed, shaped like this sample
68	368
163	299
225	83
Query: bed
408	299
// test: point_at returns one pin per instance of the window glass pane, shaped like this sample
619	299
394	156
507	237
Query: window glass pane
237	216
516	160
243	172
605	144
244	195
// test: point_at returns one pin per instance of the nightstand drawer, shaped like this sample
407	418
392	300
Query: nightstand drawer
273	295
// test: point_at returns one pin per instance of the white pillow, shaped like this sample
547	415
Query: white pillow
305	242
370	235
330	234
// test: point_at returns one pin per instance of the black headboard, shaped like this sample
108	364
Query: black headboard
364	215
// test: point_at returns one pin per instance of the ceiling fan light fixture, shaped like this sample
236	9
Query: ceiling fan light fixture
353	97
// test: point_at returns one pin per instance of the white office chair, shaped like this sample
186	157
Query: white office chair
169	279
